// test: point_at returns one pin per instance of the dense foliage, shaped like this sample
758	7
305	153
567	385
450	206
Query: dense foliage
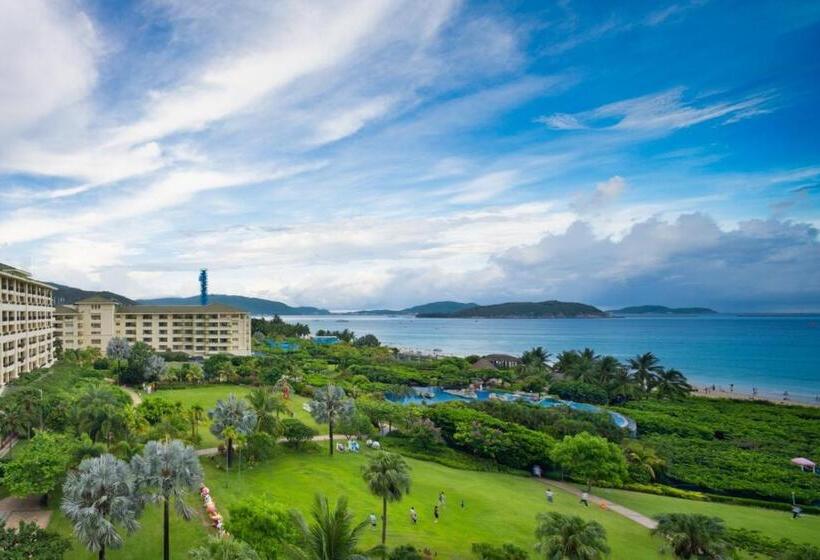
28	541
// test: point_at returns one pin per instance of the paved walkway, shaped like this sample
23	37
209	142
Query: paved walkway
135	397
633	515
211	451
15	510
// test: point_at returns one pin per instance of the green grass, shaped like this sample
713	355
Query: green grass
773	523
499	508
207	395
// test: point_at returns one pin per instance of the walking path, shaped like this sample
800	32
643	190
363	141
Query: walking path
135	397
633	515
15	510
211	451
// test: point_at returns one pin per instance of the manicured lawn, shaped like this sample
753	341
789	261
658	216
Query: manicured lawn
775	524
498	508
207	395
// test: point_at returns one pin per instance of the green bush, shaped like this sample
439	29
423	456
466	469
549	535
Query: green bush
484	551
297	432
263	524
579	391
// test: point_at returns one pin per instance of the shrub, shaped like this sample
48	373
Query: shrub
580	392
260	447
101	364
484	551
405	552
297	432
264	525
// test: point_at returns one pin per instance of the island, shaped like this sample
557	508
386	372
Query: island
662	310
551	309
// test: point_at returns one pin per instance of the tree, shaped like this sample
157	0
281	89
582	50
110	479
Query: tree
692	535
645	369
387	476
195	415
118	349
671	384
333	535
568	537
229	417
30	541
329	405
591	458
40	466
100	411
643	462
297	432
268	406
167	471
367	341
98	497
227	548
424	433
536	356
264	525
154	367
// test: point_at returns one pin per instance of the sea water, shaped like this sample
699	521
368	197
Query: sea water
773	354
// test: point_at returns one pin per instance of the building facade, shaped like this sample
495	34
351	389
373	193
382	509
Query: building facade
26	324
194	329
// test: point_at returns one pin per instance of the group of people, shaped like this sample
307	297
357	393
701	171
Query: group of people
210	509
354	447
584	498
414	514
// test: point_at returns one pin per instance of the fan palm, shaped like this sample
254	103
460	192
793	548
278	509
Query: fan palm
117	350
694	535
98	497
232	417
645	368
329	405
387	476
671	384
166	471
568	537
227	548
333	535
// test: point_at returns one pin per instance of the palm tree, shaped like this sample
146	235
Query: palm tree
227	548
96	498
268	406
387	476
693	535
608	368
643	458
166	471
537	356
329	405
232	417
568	537
117	350
332	536
100	411
645	368
671	384
622	386
195	414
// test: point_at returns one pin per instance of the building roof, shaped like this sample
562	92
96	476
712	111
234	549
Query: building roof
484	363
179	309
97	299
22	274
65	310
502	358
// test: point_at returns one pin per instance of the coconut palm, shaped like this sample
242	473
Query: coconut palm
227	548
232	417
268	406
96	498
333	535
645	369
100	412
693	535
568	537
117	350
608	368
622	386
195	414
167	471
329	405
388	476
536	356
671	384
643	458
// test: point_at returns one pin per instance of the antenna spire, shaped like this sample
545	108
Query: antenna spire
203	286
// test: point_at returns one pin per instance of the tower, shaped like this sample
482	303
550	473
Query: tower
203	287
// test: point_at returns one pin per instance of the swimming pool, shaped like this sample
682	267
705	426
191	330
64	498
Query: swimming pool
435	395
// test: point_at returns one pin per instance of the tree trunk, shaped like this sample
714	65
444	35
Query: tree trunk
230	452
589	486
166	533
384	523
44	500
330	433
102	553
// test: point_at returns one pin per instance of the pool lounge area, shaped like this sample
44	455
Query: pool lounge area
435	395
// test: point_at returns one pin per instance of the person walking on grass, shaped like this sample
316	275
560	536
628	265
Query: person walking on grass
549	495
585	498
435	513
441	498
372	521
414	516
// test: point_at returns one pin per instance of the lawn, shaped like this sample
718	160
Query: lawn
775	524
207	395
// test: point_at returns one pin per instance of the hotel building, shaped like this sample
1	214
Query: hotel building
194	329
26	329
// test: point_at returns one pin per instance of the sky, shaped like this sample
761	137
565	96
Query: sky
378	154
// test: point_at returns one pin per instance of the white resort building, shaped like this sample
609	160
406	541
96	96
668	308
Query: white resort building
194	329
26	328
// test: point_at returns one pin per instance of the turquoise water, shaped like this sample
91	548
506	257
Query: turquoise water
773	354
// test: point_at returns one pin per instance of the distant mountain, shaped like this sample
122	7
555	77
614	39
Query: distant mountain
434	307
254	306
662	310
524	310
64	295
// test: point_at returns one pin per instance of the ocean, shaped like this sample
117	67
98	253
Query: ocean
771	353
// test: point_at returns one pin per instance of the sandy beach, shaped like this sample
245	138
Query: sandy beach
718	392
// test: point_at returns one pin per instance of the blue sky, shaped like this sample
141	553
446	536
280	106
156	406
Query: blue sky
369	154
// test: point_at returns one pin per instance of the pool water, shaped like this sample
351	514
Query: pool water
435	395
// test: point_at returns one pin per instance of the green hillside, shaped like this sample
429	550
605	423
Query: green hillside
525	310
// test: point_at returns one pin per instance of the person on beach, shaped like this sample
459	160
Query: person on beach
435	513
549	495
585	498
372	520
414	517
